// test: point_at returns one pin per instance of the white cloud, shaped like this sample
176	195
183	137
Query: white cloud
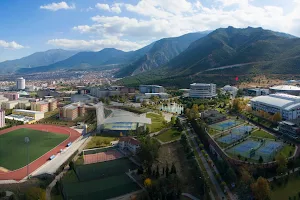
95	45
10	45
102	6
58	6
116	7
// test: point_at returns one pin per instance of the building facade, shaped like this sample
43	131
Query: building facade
20	83
36	115
289	129
202	90
287	105
129	143
2	118
151	89
45	105
72	111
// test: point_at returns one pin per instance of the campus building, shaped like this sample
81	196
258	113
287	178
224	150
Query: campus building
142	97
151	89
2	118
202	90
44	106
110	91
287	105
289	129
257	91
129	143
287	89
230	89
20	83
72	111
26	116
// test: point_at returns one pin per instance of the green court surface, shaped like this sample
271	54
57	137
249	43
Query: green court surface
104	169
13	150
169	135
100	189
99	181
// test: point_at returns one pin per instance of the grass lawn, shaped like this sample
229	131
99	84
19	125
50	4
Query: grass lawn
212	131
13	150
262	134
99	141
286	150
169	135
291	189
156	122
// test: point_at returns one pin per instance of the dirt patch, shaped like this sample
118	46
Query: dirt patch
174	153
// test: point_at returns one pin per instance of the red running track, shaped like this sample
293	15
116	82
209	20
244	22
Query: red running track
21	173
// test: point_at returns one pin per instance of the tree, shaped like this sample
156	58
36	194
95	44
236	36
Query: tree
261	189
157	172
173	120
148	151
201	107
236	105
35	193
281	164
167	170
173	169
147	182
260	160
277	117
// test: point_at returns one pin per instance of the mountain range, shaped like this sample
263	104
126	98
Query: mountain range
133	62
183	59
36	59
228	51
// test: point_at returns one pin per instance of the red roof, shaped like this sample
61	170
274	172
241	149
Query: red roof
130	140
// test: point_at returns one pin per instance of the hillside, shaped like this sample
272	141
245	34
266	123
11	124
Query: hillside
161	53
270	52
36	59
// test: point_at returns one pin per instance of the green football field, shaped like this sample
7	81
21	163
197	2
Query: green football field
13	150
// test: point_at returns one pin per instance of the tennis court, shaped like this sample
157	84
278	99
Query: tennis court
99	181
231	138
111	154
104	169
225	125
244	148
242	129
268	150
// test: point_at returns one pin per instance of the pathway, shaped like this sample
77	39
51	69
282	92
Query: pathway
189	196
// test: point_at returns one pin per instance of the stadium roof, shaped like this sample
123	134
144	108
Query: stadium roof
273	101
131	118
285	88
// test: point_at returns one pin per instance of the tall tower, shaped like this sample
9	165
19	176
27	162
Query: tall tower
2	118
100	115
20	83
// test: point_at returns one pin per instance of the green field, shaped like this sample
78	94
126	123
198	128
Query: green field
156	122
169	135
99	141
285	151
99	181
291	189
13	150
262	134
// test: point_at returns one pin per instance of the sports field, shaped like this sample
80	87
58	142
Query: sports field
225	125
99	181
13	150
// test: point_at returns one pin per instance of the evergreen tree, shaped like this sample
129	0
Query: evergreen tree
167	170
157	172
173	169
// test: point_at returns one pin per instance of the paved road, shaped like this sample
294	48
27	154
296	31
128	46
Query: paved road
51	166
220	193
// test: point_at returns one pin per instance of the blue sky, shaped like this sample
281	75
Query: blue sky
38	25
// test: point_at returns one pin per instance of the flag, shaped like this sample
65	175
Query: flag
236	78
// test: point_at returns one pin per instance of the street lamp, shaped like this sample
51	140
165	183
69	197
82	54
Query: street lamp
27	142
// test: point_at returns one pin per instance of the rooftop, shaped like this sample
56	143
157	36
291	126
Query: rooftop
201	84
273	101
285	87
28	111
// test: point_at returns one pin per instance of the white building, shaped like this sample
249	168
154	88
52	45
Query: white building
2	118
142	97
202	90
20	84
258	91
230	89
288	89
129	143
287	105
